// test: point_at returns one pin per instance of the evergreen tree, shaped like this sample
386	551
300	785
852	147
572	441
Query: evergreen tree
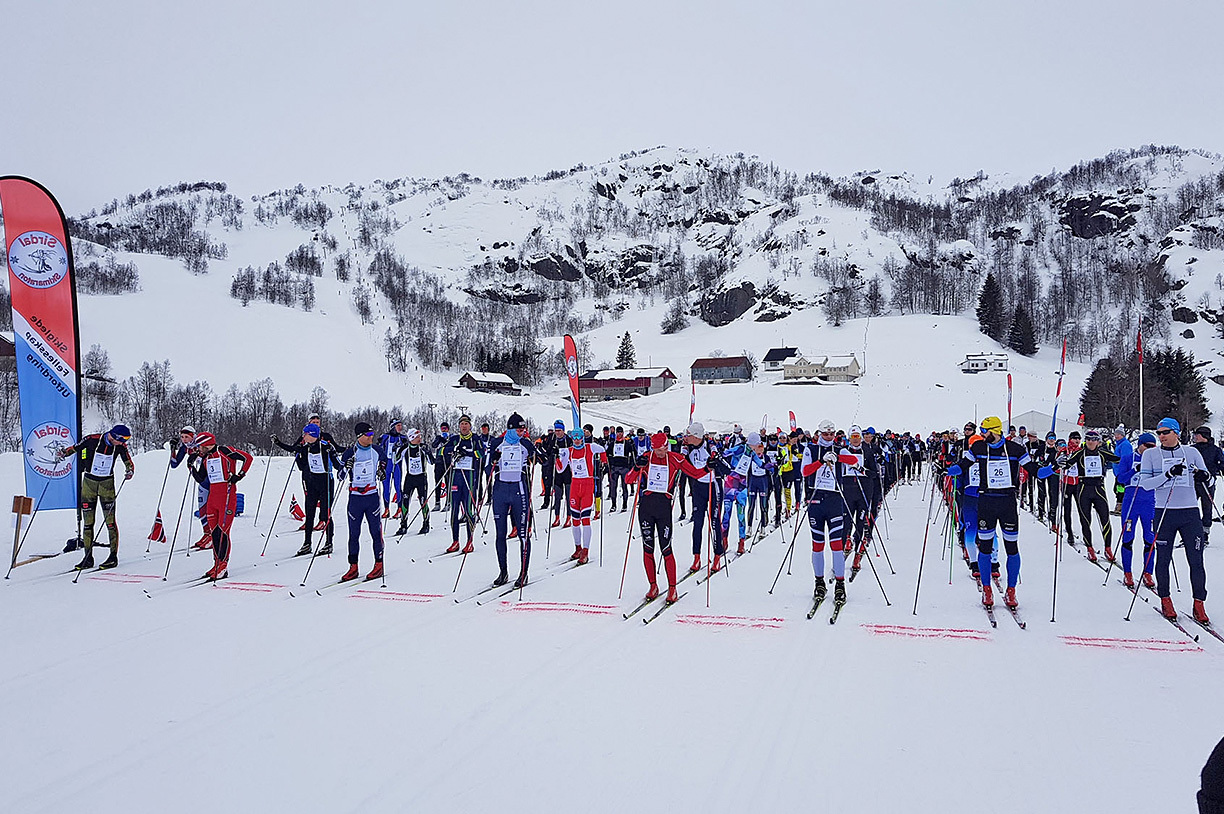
1022	338
990	309
676	319
1183	385
626	357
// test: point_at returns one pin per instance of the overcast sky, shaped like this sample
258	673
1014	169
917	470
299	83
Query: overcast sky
106	98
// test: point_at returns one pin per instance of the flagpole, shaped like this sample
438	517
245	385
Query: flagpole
1140	346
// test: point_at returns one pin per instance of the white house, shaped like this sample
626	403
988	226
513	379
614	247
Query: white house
821	369
977	362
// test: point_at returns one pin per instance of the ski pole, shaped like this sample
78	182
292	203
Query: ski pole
869	562
1125	520
259	503
709	536
173	540
786	554
1152	554
279	503
628	544
1148	563
165	477
922	558
322	538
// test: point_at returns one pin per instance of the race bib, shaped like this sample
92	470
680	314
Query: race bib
975	477
216	470
103	465
363	474
757	469
416	465
464	463
745	462
998	474
578	465
826	478
1092	467
618	450
512	456
656	478
1073	471
315	461
857	466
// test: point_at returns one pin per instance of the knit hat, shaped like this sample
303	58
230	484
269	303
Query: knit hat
869	431
696	428
311	429
558	424
1147	438
120	432
826	425
515	421
754	438
188	429
658	440
362	428
206	439
1169	424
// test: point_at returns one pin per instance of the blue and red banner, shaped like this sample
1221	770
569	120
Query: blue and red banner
571	368
42	281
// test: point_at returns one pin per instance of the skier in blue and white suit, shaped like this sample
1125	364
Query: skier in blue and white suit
510	463
1138	509
366	465
395	475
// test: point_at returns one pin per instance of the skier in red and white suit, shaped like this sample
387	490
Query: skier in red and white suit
579	459
217	467
658	470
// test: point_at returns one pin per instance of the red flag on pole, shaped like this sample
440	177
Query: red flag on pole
793	425
158	534
1009	394
693	402
295	510
1139	346
571	368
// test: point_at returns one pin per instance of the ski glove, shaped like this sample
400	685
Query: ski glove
829	458
1045	472
1202	476
1177	470
128	475
954	470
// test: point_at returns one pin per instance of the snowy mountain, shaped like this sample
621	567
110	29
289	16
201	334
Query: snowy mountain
397	286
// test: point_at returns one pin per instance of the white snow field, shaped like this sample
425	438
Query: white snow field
239	697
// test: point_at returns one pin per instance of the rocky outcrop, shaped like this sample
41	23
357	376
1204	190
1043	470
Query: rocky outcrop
1097	215
726	306
1183	314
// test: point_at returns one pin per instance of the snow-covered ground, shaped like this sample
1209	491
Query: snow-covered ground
367	699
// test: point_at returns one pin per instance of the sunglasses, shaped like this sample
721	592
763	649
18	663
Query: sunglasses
1163	432
369	434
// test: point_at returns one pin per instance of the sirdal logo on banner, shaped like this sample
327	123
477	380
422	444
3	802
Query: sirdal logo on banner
572	365
43	446
38	259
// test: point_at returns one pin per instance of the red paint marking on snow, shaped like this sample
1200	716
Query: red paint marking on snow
927	632
523	607
730	621
389	597
1150	645
238	586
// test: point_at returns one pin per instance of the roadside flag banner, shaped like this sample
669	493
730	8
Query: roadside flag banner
571	368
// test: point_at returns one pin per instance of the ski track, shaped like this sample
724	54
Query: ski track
319	704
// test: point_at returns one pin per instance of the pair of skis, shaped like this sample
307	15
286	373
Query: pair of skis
837	607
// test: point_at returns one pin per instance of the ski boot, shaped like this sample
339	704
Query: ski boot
839	591
304	550
653	592
326	550
556	521
566	524
740	550
1148	580
584	557
987	596
398	512
403	527
994	570
110	562
974	570
1092	557
1200	613
1009	597
502	579
672	594
1109	554
715	566
513	533
820	591
696	566
218	571
469	548
577	551
321	526
682	515
1167	609
597	514
350	574
204	543
522	580
1128	580
386	513
375	572
86	562
424	527
454	547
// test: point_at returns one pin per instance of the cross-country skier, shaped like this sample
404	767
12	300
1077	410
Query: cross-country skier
1094	461
414	456
656	474
1138	510
366	464
391	482
465	467
1213	460
317	459
998	462
620	461
826	508
860	482
221	467
510	465
186	449
556	450
706	495
580	459
97	463
760	482
440	464
1170	470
